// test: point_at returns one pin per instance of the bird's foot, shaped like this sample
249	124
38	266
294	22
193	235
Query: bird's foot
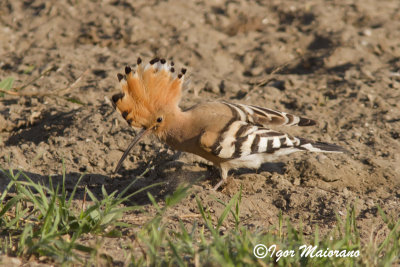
219	184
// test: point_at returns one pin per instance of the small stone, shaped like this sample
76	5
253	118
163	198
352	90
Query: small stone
307	229
24	146
212	87
346	192
321	158
367	32
370	203
83	161
89	168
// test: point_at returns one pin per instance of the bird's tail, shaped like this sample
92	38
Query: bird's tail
314	146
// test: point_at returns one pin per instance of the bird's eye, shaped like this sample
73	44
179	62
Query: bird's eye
159	119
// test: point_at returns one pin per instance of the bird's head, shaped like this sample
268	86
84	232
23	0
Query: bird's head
149	97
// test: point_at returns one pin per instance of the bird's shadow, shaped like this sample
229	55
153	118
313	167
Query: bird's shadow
213	174
272	167
96	183
161	177
157	180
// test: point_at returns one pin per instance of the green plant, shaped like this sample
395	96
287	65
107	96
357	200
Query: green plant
43	221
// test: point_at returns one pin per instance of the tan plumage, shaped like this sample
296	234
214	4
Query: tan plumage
229	135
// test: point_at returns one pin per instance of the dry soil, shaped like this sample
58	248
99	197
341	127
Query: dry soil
334	61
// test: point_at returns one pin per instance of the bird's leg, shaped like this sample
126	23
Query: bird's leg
224	175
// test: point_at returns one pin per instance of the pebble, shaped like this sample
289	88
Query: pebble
346	191
370	203
367	32
24	146
83	161
321	158
212	86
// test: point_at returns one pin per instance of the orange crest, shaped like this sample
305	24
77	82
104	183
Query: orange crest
148	91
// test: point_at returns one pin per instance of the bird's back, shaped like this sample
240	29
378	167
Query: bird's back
222	131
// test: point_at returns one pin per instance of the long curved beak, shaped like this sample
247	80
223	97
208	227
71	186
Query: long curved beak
139	136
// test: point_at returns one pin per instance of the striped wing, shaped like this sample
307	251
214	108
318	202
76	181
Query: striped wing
240	139
267	117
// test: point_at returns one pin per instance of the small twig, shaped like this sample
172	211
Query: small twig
12	215
36	78
41	94
269	77
69	87
186	216
9	92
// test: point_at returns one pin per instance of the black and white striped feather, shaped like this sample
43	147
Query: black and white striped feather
267	117
245	134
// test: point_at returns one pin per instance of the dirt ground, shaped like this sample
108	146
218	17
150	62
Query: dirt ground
333	61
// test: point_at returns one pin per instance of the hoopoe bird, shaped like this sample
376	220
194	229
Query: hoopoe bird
228	135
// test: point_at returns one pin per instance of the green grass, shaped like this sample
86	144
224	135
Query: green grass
43	222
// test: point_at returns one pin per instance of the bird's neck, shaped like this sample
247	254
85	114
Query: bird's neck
179	128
